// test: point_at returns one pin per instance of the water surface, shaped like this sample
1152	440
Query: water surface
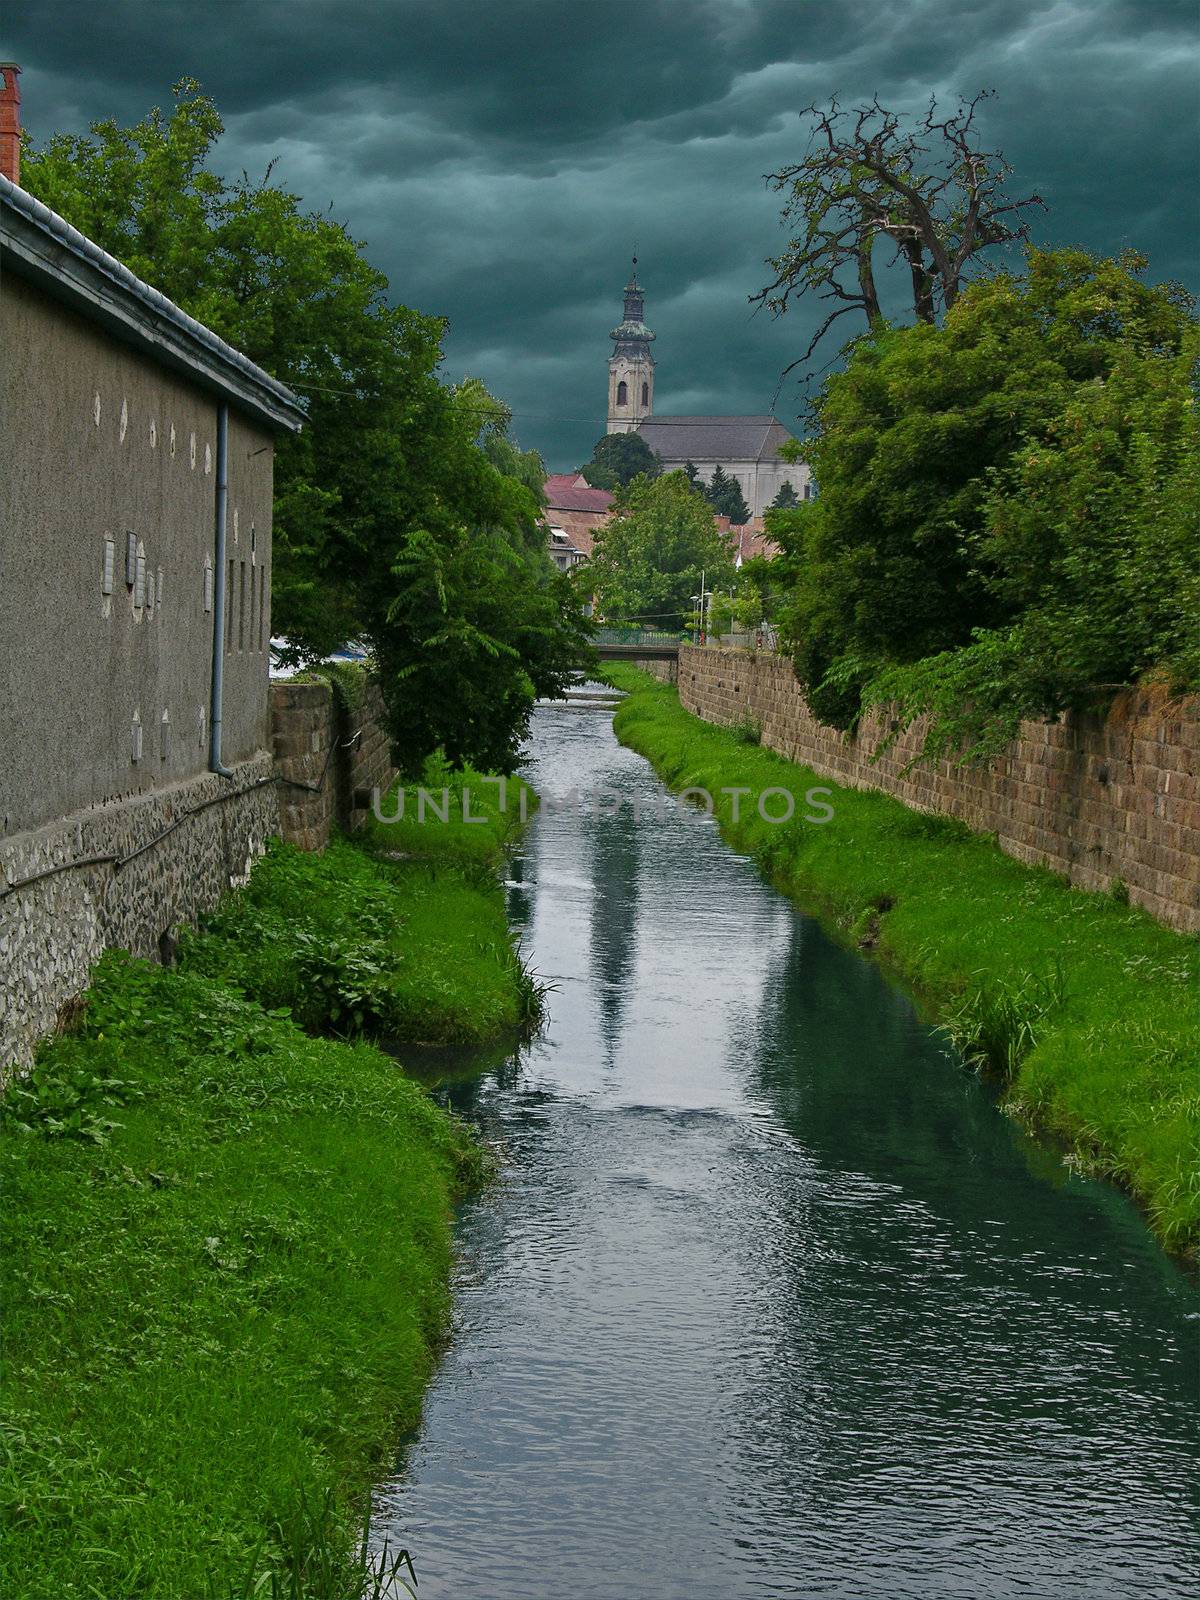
771	1300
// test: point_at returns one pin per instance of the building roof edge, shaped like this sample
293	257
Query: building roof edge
44	248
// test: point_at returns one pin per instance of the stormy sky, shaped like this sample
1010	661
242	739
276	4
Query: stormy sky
501	157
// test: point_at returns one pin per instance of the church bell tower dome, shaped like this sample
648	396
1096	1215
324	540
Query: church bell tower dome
631	366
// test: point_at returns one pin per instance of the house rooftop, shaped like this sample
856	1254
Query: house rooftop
565	492
40	246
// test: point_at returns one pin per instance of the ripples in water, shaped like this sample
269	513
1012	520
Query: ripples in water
770	1300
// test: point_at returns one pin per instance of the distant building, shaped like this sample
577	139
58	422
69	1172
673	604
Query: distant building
746	447
574	513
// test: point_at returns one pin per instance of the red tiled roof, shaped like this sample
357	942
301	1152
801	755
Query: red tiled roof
579	526
565	493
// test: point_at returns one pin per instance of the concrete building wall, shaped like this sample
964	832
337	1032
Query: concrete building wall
1096	799
98	442
759	481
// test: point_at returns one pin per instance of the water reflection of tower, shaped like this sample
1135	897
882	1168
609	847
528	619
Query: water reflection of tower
615	871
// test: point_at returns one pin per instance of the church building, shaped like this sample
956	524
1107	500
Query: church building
746	447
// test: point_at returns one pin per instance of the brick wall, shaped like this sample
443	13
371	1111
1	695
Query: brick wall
328	759
1097	799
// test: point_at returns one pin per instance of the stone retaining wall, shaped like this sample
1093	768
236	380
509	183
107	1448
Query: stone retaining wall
176	849
328	759
1096	799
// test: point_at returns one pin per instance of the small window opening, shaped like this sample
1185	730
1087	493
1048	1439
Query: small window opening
645	394
622	393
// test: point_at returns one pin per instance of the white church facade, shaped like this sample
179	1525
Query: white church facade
747	448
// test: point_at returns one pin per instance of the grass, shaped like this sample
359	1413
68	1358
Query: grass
1084	1006
227	1230
399	932
226	1283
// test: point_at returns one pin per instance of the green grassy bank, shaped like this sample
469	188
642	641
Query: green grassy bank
227	1232
1084	1006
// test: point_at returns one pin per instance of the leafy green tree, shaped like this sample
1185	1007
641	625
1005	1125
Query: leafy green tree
724	495
404	512
649	557
619	458
1000	531
786	498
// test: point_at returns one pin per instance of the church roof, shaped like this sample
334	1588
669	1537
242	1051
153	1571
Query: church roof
714	438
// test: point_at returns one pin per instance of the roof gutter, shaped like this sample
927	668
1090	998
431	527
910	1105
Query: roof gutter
38	245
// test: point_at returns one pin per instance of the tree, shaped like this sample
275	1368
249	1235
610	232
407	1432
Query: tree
1002	527
619	458
404	513
724	495
785	499
930	191
649	557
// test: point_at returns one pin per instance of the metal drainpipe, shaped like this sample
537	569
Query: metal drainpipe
219	598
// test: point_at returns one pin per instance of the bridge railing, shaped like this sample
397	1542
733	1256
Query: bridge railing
633	636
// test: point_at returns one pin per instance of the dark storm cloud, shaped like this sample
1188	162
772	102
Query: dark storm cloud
500	159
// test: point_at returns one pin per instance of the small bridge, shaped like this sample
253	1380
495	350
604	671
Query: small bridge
635	644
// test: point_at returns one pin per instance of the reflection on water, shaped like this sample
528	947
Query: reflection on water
770	1300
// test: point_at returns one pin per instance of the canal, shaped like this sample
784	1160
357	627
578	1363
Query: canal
770	1300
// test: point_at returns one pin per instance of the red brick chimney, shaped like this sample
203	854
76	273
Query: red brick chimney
10	122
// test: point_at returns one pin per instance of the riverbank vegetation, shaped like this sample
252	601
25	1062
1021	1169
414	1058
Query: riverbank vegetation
227	1225
1084	1007
1006	520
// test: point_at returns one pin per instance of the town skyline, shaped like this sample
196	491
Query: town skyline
509	199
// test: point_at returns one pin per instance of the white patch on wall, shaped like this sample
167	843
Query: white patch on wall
136	738
123	428
207	461
202	724
192	451
172	441
235	524
159	587
164	736
208	583
96	409
153	434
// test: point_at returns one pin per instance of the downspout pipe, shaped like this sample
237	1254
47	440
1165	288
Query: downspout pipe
220	599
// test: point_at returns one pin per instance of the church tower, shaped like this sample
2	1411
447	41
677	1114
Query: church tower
631	366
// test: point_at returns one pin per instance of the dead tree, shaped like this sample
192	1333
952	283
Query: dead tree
930	191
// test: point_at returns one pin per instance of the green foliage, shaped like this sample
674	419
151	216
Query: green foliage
1090	1002
648	558
64	1097
220	1320
404	513
786	498
350	943
996	1025
724	495
1006	523
619	458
